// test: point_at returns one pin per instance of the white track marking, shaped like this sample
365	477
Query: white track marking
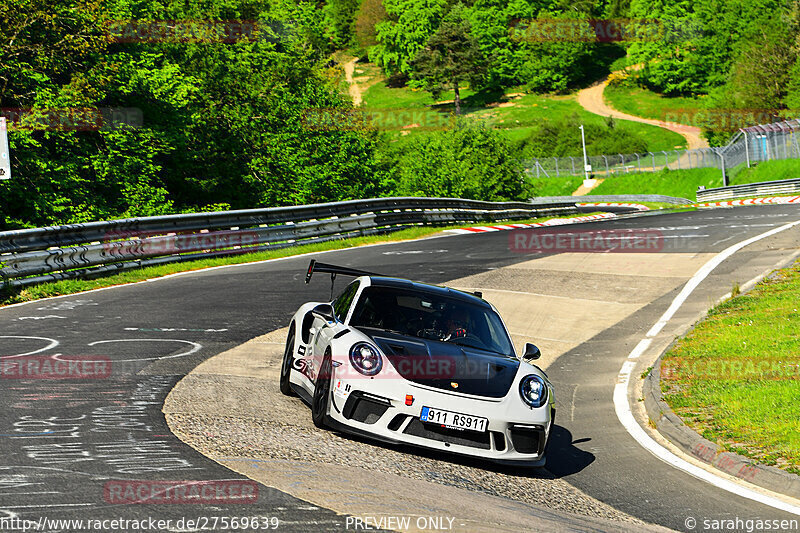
194	348
623	408
53	344
705	270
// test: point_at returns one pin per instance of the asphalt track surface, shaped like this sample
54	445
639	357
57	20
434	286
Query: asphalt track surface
62	441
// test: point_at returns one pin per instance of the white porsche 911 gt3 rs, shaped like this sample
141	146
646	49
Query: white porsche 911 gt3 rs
412	363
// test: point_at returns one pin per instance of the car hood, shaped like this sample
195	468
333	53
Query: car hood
447	366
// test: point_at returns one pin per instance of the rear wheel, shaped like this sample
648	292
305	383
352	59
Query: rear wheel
286	365
322	392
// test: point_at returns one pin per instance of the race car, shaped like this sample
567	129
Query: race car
412	363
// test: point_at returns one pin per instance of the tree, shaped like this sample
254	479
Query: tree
407	27
451	56
470	161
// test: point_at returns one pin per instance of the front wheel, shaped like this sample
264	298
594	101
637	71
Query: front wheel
322	391
286	365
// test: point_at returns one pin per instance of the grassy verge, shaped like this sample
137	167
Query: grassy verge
678	183
648	104
768	171
515	113
734	378
58	288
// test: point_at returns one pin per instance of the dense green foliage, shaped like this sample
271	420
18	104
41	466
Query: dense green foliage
553	139
467	162
515	35
452	56
210	122
744	54
224	124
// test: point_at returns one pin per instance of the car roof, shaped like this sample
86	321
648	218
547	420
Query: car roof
385	281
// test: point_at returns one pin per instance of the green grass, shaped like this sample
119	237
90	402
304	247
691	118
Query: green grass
516	115
734	378
58	288
678	183
648	104
768	171
557	186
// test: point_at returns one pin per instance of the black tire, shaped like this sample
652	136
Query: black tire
322	392
286	366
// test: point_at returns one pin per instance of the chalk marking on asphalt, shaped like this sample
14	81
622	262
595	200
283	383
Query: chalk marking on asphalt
623	408
53	344
194	348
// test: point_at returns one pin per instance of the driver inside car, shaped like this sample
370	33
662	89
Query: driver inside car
456	322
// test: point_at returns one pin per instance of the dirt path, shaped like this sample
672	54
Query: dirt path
591	99
354	90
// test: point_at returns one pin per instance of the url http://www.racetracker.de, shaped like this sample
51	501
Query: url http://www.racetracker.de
750	525
197	523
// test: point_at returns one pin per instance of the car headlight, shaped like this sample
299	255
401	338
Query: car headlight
533	390
366	359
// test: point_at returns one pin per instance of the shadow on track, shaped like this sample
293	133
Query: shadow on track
563	457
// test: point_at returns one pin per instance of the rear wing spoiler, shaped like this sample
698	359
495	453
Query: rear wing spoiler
315	266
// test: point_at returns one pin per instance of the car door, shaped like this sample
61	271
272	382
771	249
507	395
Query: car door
325	331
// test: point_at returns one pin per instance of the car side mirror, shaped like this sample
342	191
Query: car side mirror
531	352
325	312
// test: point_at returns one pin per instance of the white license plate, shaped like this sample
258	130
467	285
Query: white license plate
453	420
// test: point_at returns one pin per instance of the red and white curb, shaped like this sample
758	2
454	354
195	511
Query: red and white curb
752	201
551	222
638	207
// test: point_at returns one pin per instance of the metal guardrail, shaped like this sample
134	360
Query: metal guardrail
614	198
763	188
38	255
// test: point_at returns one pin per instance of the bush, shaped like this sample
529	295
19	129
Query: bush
563	138
467	162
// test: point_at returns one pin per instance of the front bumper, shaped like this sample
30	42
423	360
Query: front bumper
377	409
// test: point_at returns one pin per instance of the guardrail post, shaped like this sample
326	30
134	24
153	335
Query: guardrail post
722	164
746	147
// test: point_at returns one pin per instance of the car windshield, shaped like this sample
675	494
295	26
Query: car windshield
431	316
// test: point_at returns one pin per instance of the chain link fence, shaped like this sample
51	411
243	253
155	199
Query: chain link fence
750	145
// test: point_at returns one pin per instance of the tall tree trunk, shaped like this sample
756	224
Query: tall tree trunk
457	99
